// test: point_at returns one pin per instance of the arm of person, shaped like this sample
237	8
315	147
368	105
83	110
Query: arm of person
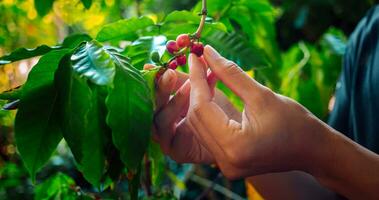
276	134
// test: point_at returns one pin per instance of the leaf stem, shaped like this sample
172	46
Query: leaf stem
204	12
176	55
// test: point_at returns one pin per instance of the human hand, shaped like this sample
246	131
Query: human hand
171	128
274	135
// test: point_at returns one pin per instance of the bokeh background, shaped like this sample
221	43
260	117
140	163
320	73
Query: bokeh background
303	40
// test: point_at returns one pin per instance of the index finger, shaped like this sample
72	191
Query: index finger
200	90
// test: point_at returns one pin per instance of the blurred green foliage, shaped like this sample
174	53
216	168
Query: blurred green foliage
300	43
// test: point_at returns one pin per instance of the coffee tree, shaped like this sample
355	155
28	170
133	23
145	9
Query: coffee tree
93	92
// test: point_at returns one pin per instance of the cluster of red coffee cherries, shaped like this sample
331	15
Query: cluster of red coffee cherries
178	49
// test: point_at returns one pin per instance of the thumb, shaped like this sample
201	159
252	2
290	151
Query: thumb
233	76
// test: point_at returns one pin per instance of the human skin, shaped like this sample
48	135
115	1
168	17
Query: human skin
272	134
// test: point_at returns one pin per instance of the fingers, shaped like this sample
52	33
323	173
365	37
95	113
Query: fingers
148	66
200	91
166	86
206	118
182	78
233	76
172	112
212	80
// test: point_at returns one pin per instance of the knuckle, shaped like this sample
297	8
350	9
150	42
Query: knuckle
263	98
231	68
195	110
267	94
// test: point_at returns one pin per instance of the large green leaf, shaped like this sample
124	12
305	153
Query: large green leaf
182	16
70	42
130	115
237	49
81	123
258	6
43	6
125	29
157	163
24	53
179	22
73	41
95	62
216	8
12	94
139	51
150	77
37	130
335	40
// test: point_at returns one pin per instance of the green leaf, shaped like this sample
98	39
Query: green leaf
73	41
139	51
182	16
157	163
179	22
59	186
236	48
12	105
23	53
37	130
12	94
123	29
70	42
130	115
81	123
43	6
258	6
87	3
335	40
150	78
216	8
95	62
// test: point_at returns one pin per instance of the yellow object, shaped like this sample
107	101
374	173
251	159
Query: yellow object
252	193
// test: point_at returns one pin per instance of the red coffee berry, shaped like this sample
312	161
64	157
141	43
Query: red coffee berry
197	48
172	47
181	60
173	65
183	40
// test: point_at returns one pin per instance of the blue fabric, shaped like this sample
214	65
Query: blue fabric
356	110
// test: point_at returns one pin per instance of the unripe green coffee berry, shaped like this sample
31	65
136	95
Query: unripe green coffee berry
155	57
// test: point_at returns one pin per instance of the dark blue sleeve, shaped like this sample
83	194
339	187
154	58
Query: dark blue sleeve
356	108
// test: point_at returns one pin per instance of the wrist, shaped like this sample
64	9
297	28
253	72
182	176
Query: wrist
315	146
342	165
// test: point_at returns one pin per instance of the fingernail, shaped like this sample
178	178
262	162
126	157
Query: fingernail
211	52
166	78
186	87
192	59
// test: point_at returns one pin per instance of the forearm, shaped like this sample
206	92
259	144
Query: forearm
346	167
